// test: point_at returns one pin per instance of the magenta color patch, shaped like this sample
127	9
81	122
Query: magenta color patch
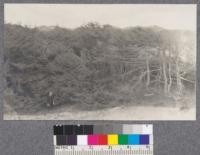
92	139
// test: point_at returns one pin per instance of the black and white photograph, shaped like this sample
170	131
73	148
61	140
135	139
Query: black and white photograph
99	62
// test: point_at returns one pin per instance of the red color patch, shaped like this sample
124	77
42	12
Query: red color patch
102	140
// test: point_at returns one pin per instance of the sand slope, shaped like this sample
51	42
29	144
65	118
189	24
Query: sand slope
115	113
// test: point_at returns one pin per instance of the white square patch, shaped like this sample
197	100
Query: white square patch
147	129
82	140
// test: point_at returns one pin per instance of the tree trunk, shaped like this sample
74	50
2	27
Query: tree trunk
160	72
170	78
164	73
148	73
178	78
169	73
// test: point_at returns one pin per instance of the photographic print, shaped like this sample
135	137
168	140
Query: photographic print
99	62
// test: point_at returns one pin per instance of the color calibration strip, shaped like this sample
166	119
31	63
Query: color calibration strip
103	139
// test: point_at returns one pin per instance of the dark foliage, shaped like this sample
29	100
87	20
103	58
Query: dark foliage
92	64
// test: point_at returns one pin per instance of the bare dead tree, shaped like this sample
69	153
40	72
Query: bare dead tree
148	71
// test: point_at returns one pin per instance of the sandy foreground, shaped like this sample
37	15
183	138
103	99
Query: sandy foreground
115	113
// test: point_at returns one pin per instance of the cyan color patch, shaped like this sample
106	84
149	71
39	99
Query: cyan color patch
134	139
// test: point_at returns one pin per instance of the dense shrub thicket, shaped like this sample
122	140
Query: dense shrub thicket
96	64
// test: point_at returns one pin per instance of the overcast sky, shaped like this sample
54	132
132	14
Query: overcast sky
169	16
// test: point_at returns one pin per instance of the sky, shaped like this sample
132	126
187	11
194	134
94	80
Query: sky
170	16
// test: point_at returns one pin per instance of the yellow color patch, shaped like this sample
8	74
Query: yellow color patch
112	139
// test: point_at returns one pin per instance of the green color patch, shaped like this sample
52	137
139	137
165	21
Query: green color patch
123	139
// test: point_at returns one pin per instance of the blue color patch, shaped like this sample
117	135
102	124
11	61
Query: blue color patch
144	139
133	139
